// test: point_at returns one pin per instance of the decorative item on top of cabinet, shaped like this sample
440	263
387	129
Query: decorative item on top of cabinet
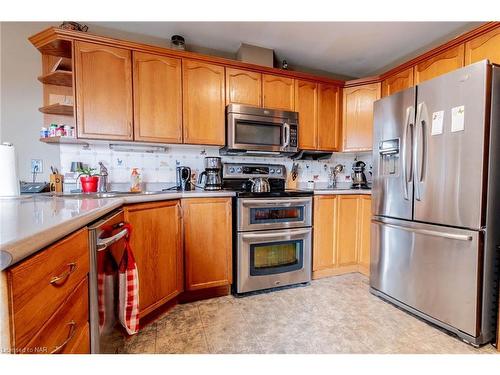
207	242
485	46
441	63
45	291
329	112
306	103
157	98
203	103
277	92
397	82
156	241
103	91
357	124
364	218
243	87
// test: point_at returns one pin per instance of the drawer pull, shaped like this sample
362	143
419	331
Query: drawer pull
72	330
55	279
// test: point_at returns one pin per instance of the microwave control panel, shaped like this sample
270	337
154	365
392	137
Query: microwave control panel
293	135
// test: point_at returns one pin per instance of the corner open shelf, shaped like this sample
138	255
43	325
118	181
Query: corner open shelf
57	109
63	140
58	77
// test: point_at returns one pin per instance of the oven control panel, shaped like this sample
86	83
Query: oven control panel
237	170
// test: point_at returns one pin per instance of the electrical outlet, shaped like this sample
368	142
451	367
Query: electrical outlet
36	166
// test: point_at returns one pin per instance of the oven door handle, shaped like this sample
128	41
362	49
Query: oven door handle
279	234
275	202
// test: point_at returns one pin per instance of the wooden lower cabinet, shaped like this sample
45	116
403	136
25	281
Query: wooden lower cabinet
48	298
156	241
341	241
207	242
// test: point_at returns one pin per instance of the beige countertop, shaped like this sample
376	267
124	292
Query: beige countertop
334	191
28	224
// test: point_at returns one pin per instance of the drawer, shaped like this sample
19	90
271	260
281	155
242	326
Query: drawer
39	284
67	329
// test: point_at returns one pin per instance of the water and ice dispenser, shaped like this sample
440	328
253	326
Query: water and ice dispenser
389	152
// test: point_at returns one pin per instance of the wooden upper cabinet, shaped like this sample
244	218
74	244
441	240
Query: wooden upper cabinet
103	91
397	82
441	63
157	98
347	230
306	103
486	46
329	102
207	242
157	245
357	124
203	103
364	220
278	92
325	234
243	87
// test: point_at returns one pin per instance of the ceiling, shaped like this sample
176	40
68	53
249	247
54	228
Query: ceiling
349	49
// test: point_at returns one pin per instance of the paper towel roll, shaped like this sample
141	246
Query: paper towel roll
9	183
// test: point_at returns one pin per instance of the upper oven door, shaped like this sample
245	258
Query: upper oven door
272	213
259	133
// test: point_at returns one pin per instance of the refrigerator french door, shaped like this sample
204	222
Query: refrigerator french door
434	245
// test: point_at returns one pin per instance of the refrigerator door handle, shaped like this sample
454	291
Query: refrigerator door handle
427	232
408	151
418	177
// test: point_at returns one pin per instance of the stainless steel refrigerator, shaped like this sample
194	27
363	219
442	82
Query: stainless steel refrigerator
436	200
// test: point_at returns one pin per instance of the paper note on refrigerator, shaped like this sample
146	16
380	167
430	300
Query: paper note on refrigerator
437	123
457	119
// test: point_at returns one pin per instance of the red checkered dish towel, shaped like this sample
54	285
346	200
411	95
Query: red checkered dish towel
128	298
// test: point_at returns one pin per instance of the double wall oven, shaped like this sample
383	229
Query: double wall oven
273	231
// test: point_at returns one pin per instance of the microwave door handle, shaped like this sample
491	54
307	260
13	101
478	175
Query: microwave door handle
286	135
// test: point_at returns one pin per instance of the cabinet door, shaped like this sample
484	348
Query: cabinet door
157	98
243	87
324	238
357	126
397	82
347	230
103	92
442	63
486	46
277	92
203	103
207	242
157	245
329	98
365	213
306	103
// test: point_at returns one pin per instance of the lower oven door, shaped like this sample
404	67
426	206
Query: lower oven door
269	259
274	213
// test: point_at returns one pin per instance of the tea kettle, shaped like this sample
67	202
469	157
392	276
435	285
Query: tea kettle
260	185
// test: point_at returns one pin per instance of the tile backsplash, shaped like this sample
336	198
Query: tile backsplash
160	167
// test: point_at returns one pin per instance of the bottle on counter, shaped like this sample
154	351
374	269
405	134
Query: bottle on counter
135	181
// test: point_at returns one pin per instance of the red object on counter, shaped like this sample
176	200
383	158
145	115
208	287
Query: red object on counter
89	183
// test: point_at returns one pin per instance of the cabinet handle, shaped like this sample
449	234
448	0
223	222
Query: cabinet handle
72	330
55	279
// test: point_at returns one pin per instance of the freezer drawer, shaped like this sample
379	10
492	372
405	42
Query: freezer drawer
432	269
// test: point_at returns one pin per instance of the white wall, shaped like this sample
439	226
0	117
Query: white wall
21	95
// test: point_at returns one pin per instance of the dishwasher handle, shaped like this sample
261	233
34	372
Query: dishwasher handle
104	243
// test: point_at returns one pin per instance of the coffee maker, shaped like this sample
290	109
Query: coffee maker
358	176
211	177
183	178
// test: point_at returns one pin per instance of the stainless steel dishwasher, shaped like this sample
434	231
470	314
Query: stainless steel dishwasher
102	342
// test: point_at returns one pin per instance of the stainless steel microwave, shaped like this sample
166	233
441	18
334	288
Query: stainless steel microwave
254	131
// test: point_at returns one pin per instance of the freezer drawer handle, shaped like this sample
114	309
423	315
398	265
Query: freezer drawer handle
104	243
276	235
452	236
